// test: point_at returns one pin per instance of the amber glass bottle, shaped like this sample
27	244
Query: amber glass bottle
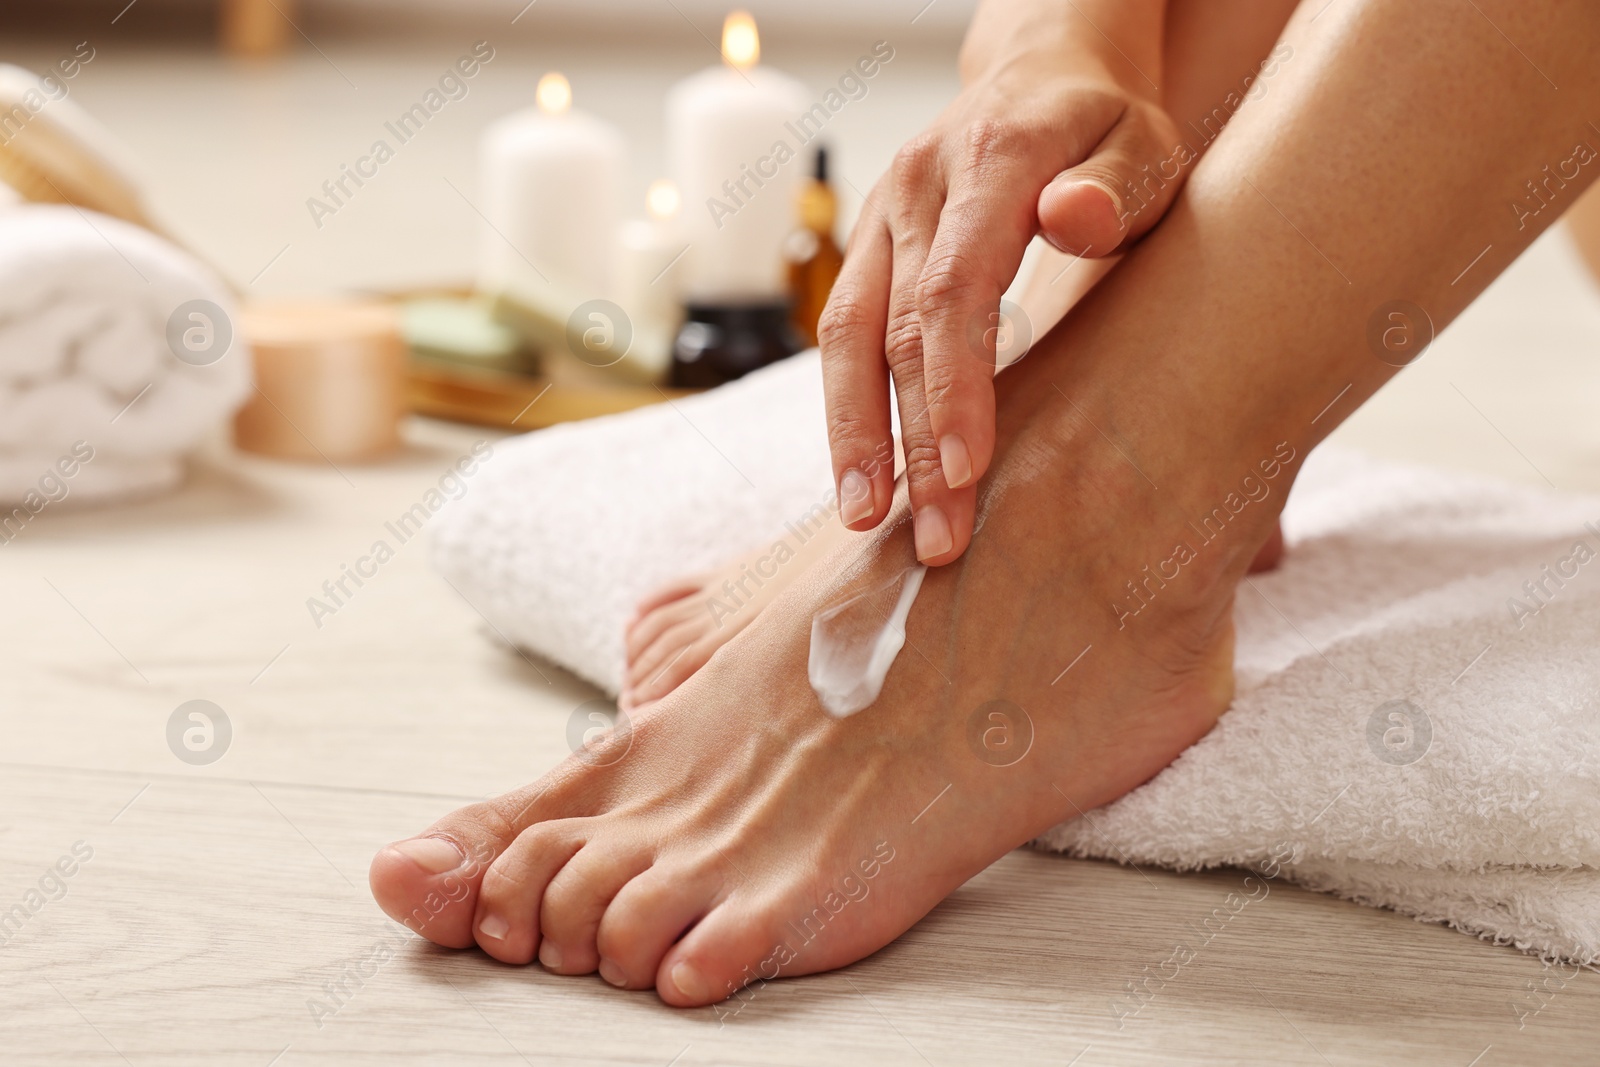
814	256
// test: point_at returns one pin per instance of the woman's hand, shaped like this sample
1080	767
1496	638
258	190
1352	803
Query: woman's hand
1058	131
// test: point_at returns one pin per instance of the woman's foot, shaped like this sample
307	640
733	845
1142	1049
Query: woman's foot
735	832
676	629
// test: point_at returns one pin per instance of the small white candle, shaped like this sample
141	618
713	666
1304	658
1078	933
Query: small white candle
649	281
551	192
738	170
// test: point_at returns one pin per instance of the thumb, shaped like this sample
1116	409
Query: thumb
1121	191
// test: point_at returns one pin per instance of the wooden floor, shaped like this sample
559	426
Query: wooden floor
222	902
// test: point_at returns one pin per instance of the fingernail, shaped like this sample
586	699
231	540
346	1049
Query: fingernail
931	531
855	497
550	956
1110	193
613	974
955	459
494	927
691	984
436	855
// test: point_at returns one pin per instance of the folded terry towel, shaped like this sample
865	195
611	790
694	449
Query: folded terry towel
1417	722
89	306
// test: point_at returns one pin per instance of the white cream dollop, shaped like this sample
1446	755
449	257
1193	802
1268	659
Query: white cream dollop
854	644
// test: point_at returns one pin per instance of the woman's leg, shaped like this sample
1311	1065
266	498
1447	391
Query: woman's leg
1214	48
738	833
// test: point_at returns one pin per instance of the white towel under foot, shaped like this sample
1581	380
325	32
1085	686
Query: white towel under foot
1403	734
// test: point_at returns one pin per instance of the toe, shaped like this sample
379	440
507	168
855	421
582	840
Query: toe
655	660
674	674
418	881
648	628
666	594
507	919
646	918
430	882
576	900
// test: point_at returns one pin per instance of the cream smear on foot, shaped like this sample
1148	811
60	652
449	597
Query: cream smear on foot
854	644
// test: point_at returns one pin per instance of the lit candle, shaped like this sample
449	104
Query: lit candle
649	285
738	170
551	193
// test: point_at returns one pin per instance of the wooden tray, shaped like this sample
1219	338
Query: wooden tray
517	401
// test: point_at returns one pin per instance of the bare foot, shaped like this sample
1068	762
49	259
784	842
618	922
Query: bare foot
676	628
738	833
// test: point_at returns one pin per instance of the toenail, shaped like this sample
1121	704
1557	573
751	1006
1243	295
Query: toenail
932	532
494	927
550	956
613	974
956	460
436	855
690	982
855	497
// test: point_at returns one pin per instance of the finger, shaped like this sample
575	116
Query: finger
984	229
941	516
855	382
1117	194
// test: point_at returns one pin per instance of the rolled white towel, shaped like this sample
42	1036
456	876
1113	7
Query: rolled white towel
1412	728
92	313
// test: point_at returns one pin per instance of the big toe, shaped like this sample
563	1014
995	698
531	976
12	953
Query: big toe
423	883
430	882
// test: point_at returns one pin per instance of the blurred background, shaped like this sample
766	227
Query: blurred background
231	141
235	113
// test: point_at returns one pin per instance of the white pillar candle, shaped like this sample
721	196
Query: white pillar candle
552	181
737	169
650	255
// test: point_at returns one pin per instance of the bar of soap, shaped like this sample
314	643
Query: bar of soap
586	342
330	380
463	333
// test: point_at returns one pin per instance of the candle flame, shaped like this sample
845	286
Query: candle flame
662	200
741	44
554	94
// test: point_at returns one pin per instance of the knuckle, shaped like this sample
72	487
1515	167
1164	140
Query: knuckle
843	320
915	167
990	141
492	825
922	464
503	881
941	389
945	278
848	430
902	343
917	158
